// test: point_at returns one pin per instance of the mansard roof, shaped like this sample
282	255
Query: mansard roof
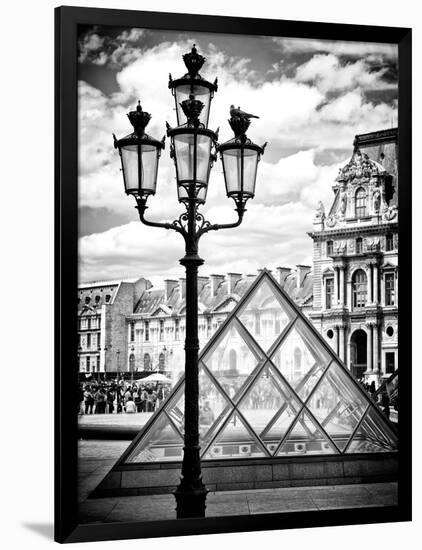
152	301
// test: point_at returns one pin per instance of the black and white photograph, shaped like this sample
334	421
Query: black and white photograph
252	365
229	209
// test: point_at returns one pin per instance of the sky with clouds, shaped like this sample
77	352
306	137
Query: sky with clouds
312	97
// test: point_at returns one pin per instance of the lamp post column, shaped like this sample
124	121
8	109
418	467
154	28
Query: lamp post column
191	492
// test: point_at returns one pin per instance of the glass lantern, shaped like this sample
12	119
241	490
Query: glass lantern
192	84
140	155
192	153
240	162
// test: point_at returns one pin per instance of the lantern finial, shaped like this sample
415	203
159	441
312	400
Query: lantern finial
193	61
139	119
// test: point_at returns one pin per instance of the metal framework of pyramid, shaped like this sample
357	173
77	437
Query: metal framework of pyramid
270	386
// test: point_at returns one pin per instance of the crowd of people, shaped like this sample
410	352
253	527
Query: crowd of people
121	397
382	398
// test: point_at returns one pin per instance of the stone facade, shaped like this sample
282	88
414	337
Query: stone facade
102	329
355	259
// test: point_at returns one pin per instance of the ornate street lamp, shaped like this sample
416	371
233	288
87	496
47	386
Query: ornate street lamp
192	84
193	149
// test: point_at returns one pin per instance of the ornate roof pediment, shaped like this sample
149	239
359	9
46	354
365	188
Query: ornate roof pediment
359	167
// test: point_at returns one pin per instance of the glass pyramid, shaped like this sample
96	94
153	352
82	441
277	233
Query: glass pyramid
269	386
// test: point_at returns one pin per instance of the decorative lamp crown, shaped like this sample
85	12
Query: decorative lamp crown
239	125
139	119
193	61
192	109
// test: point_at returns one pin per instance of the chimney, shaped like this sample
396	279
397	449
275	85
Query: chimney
216	281
169	285
202	281
282	274
302	271
232	279
182	287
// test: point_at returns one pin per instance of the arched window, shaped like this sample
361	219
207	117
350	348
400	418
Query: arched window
298	360
389	242
360	203
359	289
161	362
131	362
147	361
233	359
359	245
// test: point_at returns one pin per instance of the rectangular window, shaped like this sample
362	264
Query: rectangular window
330	248
389	242
176	329
79	341
146	331
88	341
359	247
389	362
161	330
389	289
209	327
98	363
132	332
89	323
329	293
88	364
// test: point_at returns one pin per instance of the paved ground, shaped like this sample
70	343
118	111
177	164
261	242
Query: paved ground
97	457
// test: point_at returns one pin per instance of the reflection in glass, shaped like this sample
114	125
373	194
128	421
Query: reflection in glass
337	405
234	441
305	438
372	436
231	374
162	442
269	405
297	354
264	316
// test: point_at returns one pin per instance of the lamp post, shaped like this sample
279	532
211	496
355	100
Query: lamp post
193	148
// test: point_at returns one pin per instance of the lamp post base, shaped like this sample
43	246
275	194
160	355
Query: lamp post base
190	501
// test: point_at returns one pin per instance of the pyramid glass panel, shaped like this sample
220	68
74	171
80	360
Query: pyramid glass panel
258	401
212	403
160	443
265	314
266	397
300	357
373	436
337	404
232	360
235	440
306	438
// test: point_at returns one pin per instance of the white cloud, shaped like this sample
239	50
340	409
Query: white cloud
295	114
270	235
329	74
337	47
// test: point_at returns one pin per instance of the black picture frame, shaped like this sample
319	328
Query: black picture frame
67	20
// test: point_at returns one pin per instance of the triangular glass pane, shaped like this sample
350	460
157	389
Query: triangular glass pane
373	435
306	438
234	441
265	398
212	403
298	353
337	404
265	314
232	359
160	443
